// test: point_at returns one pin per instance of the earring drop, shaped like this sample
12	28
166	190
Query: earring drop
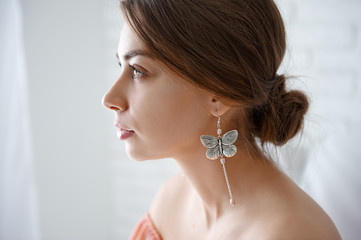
221	146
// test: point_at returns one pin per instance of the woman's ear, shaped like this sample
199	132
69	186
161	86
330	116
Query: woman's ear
218	106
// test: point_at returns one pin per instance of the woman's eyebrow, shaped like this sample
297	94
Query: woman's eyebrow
133	53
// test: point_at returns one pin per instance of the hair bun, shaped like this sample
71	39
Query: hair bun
281	117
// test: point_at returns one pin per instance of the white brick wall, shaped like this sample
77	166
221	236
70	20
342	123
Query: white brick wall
325	47
324	52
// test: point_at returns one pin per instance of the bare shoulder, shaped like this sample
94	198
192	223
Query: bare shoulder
168	200
308	223
285	211
301	227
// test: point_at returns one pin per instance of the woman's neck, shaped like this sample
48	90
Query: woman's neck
207	179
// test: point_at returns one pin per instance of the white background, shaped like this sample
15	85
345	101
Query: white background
88	188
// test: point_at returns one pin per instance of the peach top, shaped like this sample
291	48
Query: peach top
145	230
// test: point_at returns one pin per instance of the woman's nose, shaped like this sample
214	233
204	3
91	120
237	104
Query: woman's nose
114	99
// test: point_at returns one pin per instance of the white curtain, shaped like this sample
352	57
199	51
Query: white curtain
18	206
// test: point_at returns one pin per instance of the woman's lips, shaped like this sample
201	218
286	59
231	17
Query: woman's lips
123	133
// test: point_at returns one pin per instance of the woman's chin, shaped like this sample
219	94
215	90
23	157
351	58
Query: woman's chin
138	154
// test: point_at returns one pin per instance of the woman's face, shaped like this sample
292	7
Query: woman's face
156	113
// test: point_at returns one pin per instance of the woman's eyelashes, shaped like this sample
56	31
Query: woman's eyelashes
136	73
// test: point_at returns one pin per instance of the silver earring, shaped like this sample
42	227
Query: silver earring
221	146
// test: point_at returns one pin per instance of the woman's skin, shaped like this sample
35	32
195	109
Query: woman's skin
160	116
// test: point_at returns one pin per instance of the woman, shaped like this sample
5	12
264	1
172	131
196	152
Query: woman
199	84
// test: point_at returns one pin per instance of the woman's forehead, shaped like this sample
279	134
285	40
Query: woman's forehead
129	43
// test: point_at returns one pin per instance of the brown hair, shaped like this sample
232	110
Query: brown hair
232	48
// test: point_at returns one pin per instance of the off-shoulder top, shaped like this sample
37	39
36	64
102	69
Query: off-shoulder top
145	230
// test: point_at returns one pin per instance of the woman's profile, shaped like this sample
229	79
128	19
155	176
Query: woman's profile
199	83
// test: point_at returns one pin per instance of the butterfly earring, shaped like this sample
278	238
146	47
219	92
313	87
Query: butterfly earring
221	146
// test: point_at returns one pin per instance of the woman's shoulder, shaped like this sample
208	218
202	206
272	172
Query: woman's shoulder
290	213
169	199
169	192
294	225
278	224
281	210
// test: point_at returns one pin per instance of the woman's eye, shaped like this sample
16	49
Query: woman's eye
135	72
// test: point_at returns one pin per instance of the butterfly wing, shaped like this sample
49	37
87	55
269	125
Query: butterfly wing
209	141
229	150
229	137
213	153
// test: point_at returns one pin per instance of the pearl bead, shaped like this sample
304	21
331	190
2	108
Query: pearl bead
223	160
232	202
219	131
